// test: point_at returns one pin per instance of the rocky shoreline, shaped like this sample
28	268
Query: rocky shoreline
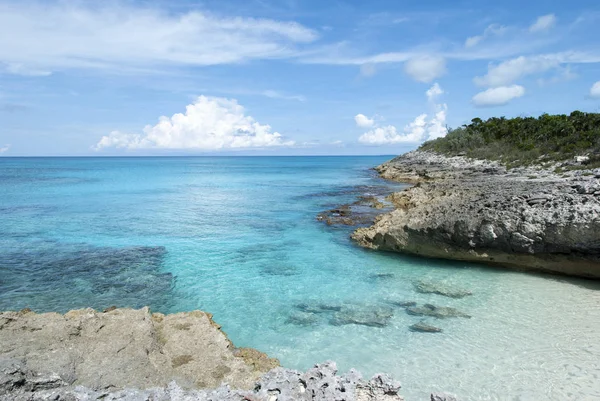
533	218
128	354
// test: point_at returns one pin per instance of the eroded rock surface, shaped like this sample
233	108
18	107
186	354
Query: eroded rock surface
129	348
319	383
477	210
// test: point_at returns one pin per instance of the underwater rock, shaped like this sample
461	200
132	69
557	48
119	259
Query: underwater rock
89	276
318	307
302	318
440	312
373	316
370	201
423	327
401	304
380	276
345	215
430	287
442	397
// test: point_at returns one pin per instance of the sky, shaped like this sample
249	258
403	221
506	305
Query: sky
282	77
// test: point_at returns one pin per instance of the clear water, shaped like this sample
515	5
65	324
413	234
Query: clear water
238	237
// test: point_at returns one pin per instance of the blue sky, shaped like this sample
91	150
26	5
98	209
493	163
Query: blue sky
158	77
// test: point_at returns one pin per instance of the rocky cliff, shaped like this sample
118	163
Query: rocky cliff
476	210
126	354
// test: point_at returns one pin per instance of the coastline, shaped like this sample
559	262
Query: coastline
528	218
137	355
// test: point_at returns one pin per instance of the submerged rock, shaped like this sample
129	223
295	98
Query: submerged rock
318	307
425	328
381	276
374	316
302	318
442	397
440	312
400	303
429	287
370	201
96	276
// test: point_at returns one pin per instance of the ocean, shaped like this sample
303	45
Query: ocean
238	237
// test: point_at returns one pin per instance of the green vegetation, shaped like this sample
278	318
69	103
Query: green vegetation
524	140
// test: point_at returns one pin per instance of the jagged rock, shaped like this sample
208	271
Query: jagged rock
477	210
440	312
425	328
320	383
429	287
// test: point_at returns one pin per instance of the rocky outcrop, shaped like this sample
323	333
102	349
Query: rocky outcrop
127	354
129	348
18	383
476	210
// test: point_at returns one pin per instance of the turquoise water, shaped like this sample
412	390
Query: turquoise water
237	236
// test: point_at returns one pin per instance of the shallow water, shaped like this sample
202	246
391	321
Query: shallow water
238	237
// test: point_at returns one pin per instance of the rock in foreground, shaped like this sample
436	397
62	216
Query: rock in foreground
127	354
476	210
129	348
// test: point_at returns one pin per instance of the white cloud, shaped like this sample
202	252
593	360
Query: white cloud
37	38
543	23
5	148
425	68
491	30
433	92
498	96
211	123
278	95
509	71
363	121
595	90
419	130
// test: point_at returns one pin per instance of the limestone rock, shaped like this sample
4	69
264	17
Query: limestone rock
128	348
477	210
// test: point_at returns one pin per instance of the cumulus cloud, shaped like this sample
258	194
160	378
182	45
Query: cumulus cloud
210	123
498	96
491	30
5	148
363	121
37	38
595	90
425	68
420	129
433	92
509	71
543	23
